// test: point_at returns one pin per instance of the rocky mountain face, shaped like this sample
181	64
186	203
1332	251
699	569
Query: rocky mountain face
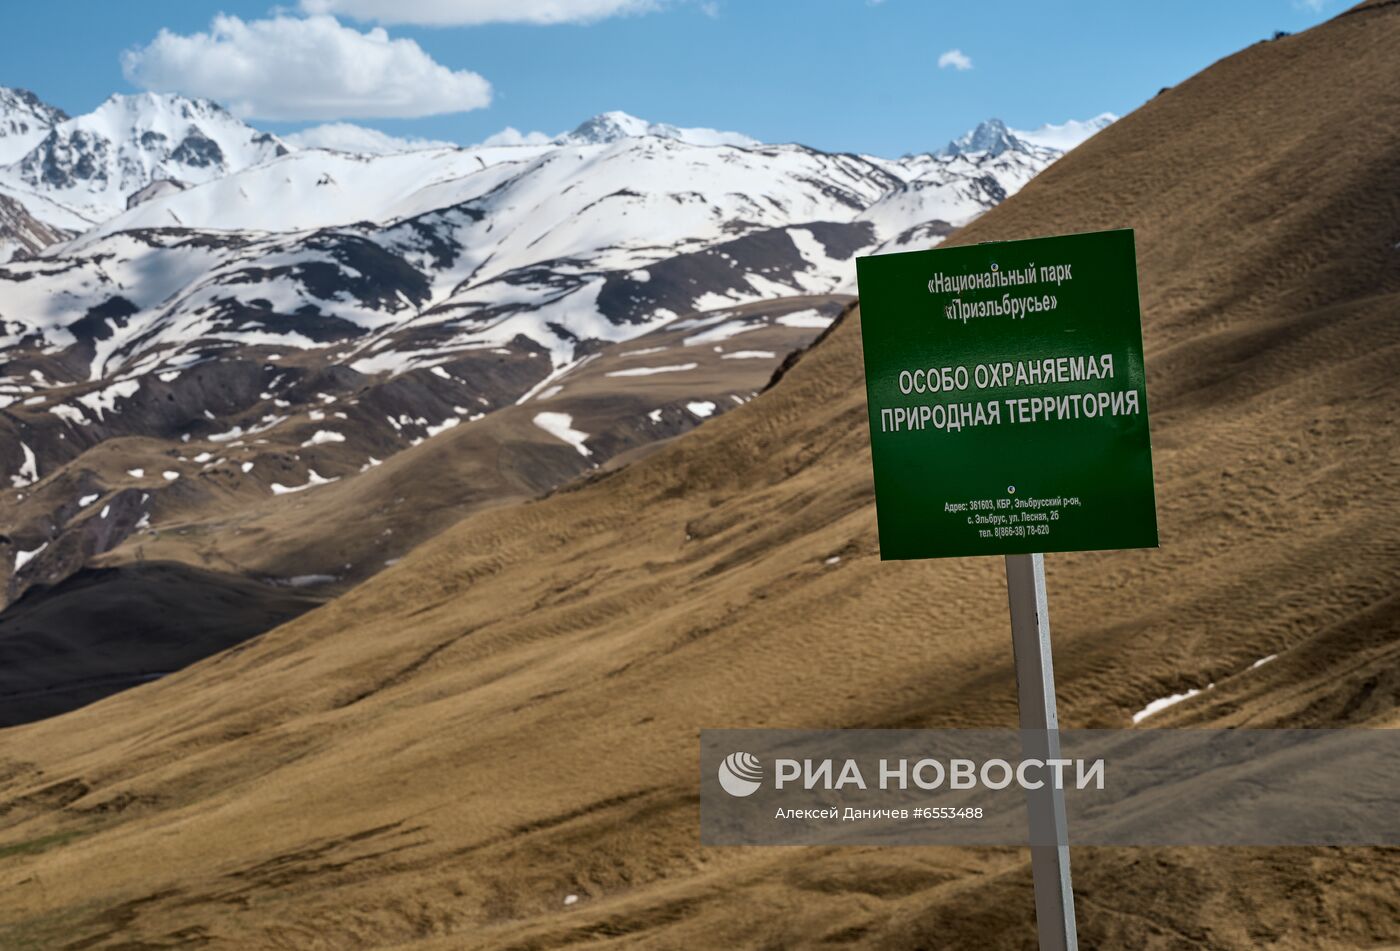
313	313
990	138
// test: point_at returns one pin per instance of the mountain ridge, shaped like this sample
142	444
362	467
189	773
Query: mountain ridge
93	163
505	268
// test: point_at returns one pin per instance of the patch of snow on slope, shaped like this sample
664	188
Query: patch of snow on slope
307	581
1161	703
105	400
23	558
442	427
806	319
313	478
70	414
722	332
561	427
652	371
555	374
322	437
28	470
826	272
237	432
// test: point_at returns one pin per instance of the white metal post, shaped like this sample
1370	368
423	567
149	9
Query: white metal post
1040	738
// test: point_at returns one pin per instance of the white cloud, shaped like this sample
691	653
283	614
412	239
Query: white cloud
348	137
313	68
510	135
956	59
473	12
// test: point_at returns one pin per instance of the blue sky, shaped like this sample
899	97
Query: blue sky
851	75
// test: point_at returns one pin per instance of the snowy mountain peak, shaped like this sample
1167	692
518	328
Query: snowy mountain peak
613	126
150	109
148	118
606	127
991	137
24	120
92	163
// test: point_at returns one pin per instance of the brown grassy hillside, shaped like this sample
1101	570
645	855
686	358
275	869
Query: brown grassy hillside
509	716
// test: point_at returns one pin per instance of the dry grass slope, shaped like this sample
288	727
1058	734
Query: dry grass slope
436	758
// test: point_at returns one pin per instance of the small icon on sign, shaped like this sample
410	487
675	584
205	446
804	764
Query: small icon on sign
740	774
1010	490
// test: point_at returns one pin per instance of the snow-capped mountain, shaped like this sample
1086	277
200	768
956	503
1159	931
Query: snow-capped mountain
942	190
612	126
994	137
376	266
555	245
92	163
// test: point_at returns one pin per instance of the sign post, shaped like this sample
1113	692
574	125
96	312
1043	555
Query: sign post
1008	416
1035	692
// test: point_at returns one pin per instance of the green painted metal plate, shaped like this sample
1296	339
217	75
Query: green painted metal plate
1008	398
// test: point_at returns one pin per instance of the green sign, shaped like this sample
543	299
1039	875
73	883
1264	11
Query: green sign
1008	400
